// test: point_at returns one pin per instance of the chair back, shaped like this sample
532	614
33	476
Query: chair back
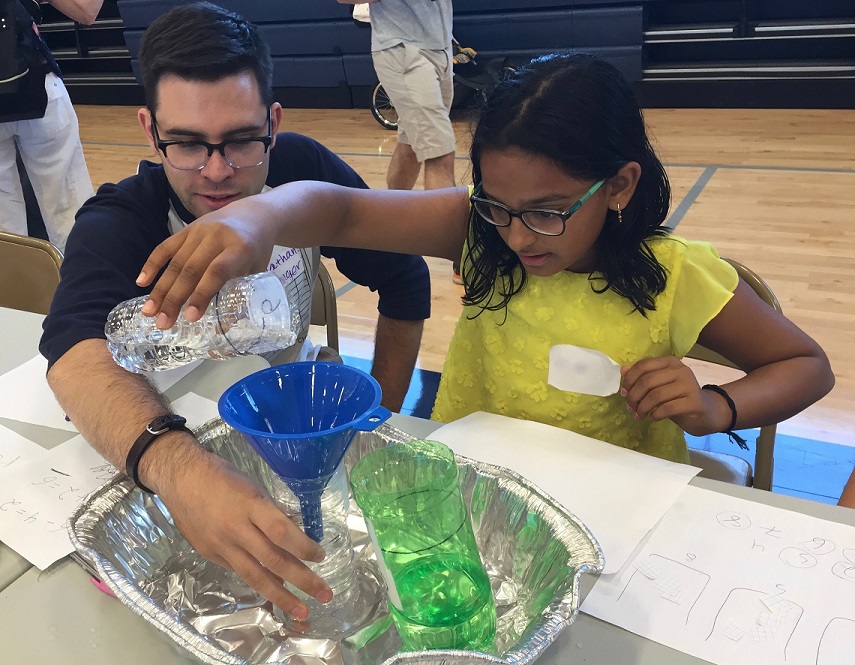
765	446
324	308
29	272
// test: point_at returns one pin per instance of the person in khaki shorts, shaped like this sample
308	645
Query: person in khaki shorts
412	54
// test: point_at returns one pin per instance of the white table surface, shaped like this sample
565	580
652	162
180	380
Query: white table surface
59	617
20	340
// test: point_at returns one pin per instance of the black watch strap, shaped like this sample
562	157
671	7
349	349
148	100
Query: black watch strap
160	425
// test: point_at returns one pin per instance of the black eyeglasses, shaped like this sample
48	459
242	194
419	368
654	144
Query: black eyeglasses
194	155
544	222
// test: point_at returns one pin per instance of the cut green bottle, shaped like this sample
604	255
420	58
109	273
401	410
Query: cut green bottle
439	592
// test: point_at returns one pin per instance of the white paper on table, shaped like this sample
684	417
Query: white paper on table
195	408
25	395
16	449
38	496
735	582
618	494
580	370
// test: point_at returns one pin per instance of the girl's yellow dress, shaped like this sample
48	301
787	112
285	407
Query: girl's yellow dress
500	365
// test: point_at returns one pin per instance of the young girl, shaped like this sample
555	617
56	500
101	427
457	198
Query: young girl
561	243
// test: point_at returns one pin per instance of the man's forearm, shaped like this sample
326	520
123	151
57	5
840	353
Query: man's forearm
227	517
111	407
396	348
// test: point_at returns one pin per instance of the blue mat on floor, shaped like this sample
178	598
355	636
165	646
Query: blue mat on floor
421	395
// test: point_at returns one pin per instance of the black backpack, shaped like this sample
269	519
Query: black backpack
22	66
17	50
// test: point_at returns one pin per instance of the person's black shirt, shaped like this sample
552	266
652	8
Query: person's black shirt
117	229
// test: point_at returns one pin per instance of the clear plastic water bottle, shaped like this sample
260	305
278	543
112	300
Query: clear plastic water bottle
337	568
250	315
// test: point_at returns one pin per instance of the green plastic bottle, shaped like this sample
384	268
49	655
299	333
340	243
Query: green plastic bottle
439	593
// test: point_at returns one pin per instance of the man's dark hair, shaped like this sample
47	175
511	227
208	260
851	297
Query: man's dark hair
203	42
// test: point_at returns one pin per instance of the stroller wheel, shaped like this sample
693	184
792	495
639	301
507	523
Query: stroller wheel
382	109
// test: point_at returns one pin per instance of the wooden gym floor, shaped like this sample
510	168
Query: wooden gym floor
774	190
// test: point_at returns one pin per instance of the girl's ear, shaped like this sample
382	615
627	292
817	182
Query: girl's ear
621	186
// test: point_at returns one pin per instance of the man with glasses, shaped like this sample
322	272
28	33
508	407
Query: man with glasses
211	118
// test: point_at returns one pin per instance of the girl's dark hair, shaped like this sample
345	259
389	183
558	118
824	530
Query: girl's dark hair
579	112
203	42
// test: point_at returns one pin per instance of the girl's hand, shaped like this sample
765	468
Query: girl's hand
201	258
660	388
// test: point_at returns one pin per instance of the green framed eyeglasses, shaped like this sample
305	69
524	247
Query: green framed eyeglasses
544	222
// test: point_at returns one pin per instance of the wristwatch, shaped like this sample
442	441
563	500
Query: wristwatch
161	425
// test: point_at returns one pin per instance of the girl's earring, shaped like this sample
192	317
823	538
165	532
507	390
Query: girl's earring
619	214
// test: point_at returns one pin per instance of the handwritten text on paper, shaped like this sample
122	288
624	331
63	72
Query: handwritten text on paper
38	496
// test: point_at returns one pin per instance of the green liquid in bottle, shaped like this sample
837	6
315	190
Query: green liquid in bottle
446	603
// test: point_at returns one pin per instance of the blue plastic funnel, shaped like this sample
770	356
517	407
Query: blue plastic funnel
301	418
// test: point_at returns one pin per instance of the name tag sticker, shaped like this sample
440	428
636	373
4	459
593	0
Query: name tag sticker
580	370
286	262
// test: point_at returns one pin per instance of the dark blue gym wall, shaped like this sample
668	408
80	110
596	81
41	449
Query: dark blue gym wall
322	57
677	53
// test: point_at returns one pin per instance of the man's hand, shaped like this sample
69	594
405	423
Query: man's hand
224	515
660	388
233	522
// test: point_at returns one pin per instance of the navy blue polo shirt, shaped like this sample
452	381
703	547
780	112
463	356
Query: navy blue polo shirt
117	229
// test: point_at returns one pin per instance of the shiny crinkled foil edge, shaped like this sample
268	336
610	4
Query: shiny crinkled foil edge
559	614
80	525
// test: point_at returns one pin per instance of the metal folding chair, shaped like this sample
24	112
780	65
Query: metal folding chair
324	308
29	272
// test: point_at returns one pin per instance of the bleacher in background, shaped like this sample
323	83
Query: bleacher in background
95	61
322	57
749	53
678	53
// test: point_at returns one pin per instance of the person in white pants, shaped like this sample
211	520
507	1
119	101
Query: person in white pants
53	157
51	152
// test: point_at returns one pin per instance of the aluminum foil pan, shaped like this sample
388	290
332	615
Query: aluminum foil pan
533	549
